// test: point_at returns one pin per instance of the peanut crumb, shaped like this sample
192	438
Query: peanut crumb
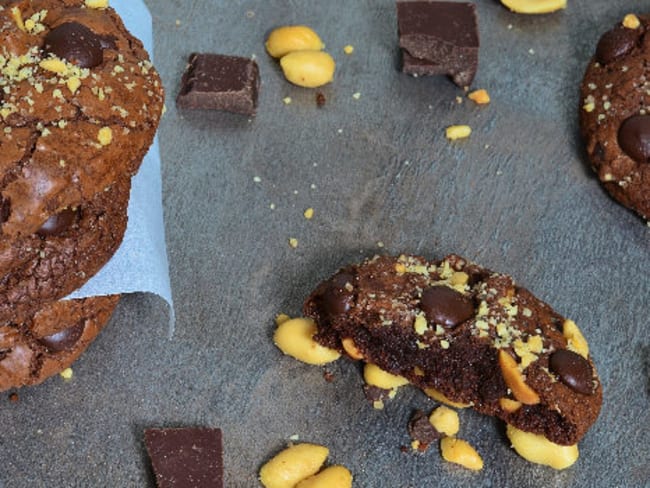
480	97
293	242
96	3
309	213
286	100
105	136
458	132
631	21
66	374
349	49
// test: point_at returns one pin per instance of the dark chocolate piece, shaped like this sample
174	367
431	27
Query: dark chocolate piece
446	306
75	43
573	370
420	429
186	457
218	82
615	44
65	339
57	224
634	138
439	38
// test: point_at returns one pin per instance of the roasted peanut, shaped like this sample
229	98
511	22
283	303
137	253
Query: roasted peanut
375	376
308	68
293	465
287	39
480	97
295	338
332	477
445	420
509	405
454	132
538	449
576	342
534	6
351	348
515	380
460	452
631	21
439	397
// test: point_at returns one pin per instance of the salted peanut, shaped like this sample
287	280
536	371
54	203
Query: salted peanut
459	278
295	337
576	342
538	449
332	477
293	465
445	420
440	397
460	452
454	132
509	405
534	6
480	97
375	376
515	380
631	21
308	68
351	348
284	40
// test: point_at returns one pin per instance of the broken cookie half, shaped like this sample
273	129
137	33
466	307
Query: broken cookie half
469	335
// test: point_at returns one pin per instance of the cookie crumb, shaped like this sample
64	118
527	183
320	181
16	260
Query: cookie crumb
13	397
349	49
320	100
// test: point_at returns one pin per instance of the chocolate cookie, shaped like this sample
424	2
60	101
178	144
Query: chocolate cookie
51	340
79	105
468	333
615	112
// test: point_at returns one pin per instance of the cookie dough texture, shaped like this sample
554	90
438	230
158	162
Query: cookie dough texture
615	112
444	325
79	105
51	340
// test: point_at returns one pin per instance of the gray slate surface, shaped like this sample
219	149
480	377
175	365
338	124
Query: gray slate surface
518	196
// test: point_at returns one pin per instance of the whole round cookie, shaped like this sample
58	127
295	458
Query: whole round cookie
51	340
615	112
79	105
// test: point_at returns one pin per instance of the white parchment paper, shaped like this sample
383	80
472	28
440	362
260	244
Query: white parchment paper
140	264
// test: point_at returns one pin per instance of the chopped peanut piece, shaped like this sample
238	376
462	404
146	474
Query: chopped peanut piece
375	376
455	132
538	449
460	452
105	136
576	342
351	348
515	381
445	420
18	18
509	405
349	49
480	97
631	21
96	3
66	374
439	397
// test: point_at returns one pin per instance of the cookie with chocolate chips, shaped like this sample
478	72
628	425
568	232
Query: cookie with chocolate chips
51	340
615	112
454	328
79	105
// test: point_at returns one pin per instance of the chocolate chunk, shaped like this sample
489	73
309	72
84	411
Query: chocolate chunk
337	299
186	457
75	43
375	394
59	223
65	339
573	370
446	306
634	138
615	44
420	429
218	82
439	38
320	100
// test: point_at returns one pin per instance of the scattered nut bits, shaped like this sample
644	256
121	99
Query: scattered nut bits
534	6
66	374
445	420
295	338
538	449
631	21
309	69
460	452
480	97
284	40
293	465
349	49
458	132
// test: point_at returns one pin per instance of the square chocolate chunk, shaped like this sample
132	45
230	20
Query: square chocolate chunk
219	82
186	457
439	38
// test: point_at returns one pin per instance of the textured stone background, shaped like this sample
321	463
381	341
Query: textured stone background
518	196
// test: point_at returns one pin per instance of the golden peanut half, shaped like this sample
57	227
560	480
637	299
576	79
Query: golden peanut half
509	405
375	376
332	477
295	338
293	465
515	380
440	397
538	449
534	6
284	40
445	420
308	68
576	342
351	348
460	452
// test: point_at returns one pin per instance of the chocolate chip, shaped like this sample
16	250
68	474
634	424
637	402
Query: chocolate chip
615	44
446	306
337	299
634	138
59	223
5	209
64	339
420	429
75	43
573	370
